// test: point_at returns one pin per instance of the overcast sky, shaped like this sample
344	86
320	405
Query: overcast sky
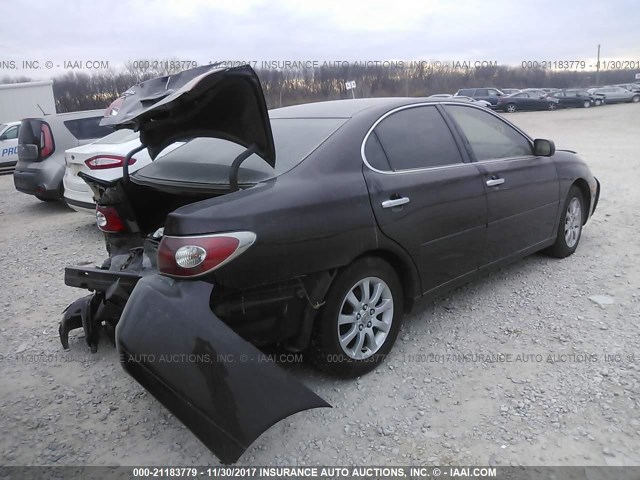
208	30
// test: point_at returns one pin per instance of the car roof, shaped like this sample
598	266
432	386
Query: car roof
344	108
70	115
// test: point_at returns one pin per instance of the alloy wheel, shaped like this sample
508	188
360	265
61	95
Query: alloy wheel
511	108
365	318
572	222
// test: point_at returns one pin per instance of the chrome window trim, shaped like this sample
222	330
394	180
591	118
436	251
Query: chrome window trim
439	167
499	117
409	170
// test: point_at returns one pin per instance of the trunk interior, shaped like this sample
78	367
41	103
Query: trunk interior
145	208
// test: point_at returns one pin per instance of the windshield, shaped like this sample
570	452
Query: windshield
206	161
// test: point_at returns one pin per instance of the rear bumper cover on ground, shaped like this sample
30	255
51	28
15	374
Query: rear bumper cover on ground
219	385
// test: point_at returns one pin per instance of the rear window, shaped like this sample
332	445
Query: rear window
465	92
87	128
119	136
206	161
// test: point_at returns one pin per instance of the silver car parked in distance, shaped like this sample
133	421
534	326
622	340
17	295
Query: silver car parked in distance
41	147
614	94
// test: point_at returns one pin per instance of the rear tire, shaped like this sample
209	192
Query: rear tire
360	320
636	99
570	226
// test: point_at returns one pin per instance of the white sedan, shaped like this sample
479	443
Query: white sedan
101	159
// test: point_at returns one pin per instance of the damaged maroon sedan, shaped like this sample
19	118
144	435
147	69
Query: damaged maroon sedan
219	247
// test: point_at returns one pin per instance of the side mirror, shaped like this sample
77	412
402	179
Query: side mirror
543	148
28	152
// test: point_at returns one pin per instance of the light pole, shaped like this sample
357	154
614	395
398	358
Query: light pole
598	68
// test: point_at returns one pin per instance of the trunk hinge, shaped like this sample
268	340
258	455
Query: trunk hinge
235	166
127	158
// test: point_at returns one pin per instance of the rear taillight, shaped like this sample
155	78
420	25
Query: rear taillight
114	107
46	141
195	256
108	220
100	162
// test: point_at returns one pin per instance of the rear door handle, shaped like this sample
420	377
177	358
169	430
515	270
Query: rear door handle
495	182
396	202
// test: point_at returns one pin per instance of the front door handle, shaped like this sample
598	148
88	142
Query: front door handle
395	202
494	182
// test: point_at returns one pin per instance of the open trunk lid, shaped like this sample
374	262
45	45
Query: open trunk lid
207	101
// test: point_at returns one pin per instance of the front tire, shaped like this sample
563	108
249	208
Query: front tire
360	320
598	103
552	106
636	99
586	104
570	226
511	108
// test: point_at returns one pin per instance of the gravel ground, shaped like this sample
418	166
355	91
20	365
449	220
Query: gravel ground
423	406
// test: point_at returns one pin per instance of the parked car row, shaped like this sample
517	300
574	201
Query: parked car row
513	99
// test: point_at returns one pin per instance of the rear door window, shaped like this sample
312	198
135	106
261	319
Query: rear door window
375	155
417	138
87	128
489	137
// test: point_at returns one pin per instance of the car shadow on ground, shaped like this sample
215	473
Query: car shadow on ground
37	207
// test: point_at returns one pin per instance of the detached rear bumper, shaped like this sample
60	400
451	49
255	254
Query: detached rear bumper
220	386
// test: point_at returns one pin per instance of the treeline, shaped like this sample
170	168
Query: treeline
80	91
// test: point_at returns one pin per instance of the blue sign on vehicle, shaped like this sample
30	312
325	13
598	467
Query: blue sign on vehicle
9	151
